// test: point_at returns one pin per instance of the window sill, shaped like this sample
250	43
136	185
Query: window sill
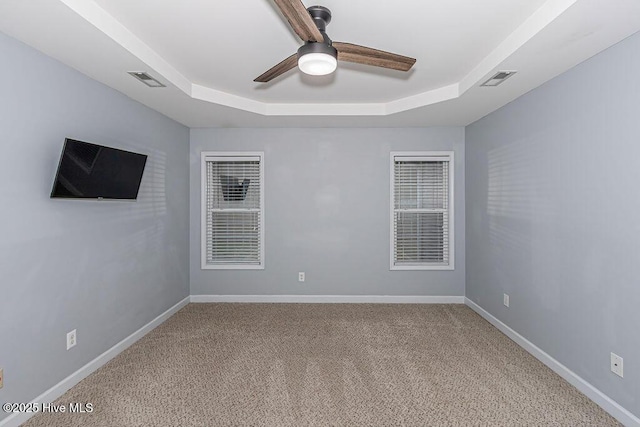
421	267
232	267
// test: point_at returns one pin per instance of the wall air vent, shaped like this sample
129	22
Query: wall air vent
146	79
498	78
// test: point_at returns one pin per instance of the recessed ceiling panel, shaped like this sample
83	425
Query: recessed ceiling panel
225	45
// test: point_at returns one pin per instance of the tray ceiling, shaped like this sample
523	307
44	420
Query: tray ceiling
208	53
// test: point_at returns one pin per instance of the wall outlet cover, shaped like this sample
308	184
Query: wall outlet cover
617	365
505	300
71	339
301	276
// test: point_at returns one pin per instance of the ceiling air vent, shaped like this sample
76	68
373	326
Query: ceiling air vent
146	79
498	78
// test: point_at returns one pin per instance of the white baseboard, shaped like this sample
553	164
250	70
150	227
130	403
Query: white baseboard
604	401
351	299
59	389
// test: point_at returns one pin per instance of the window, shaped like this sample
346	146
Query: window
232	210
422	211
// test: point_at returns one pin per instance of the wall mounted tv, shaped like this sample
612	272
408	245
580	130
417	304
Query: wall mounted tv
90	171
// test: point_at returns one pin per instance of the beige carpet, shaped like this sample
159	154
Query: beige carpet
326	364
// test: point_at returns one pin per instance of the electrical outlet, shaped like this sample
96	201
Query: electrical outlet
1	378
505	300
301	276
71	339
616	365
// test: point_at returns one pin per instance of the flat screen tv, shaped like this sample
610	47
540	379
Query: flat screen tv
90	171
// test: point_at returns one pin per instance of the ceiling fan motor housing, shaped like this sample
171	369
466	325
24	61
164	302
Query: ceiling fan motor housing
312	47
321	17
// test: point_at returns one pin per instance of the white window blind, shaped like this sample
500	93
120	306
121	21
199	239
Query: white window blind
233	215
421	211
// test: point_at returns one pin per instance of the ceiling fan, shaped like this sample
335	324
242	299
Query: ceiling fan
319	54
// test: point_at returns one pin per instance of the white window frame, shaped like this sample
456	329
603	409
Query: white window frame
422	156
228	156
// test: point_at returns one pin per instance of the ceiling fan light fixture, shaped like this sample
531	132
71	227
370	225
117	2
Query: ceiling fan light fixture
317	59
317	64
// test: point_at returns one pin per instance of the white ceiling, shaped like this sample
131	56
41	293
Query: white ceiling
208	53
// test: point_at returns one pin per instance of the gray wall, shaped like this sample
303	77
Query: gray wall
553	217
326	212
104	268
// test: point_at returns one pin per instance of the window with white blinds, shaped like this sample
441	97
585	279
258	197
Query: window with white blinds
422	211
232	210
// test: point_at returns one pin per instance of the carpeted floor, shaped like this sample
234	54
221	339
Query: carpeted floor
326	364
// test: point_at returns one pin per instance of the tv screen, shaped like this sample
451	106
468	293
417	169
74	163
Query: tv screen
90	171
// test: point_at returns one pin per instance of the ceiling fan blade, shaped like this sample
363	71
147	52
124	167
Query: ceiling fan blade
281	68
300	20
378	58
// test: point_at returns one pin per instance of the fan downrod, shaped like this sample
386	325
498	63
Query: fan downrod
321	16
